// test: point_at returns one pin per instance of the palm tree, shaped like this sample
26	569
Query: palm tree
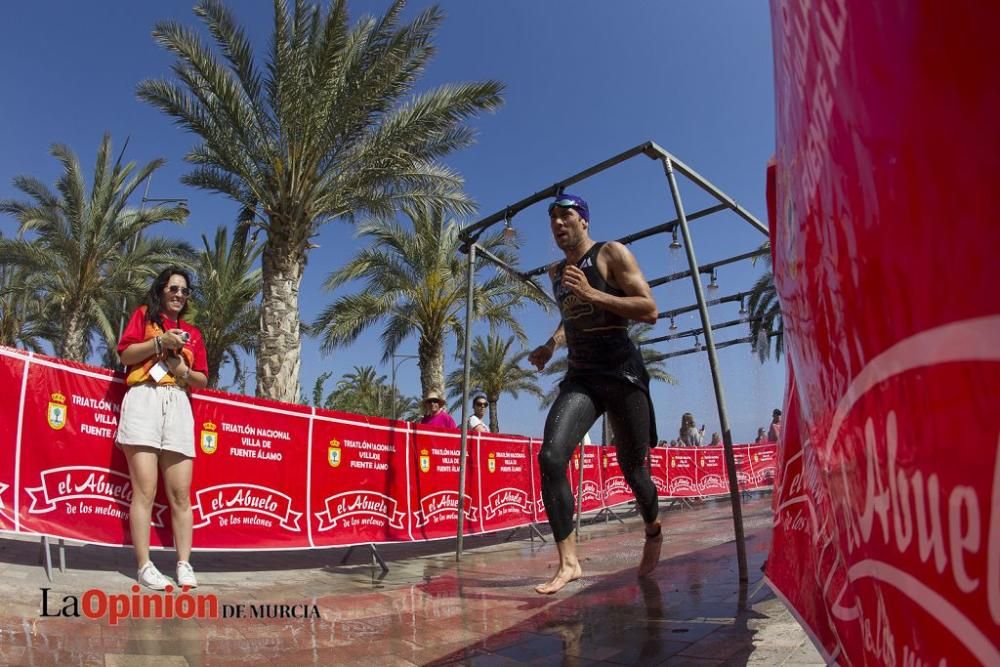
766	322
79	256
494	371
416	282
317	397
226	307
359	392
22	316
328	129
365	392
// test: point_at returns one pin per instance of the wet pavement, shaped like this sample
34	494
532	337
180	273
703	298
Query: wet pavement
428	610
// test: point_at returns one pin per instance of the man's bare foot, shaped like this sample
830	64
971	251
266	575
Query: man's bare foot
651	552
565	575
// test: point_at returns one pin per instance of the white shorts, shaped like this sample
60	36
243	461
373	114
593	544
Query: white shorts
157	416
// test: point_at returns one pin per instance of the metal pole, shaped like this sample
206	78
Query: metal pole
128	275
465	398
693	332
710	188
392	396
727	437
395	365
579	493
718	346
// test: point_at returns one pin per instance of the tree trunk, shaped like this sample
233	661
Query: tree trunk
73	345
279	356
494	418
215	361
431	366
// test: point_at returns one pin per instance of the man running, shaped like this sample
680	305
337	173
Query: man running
599	287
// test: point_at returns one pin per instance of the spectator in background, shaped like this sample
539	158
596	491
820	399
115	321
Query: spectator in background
716	440
761	437
434	414
774	433
689	435
476	423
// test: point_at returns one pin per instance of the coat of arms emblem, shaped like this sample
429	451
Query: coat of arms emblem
57	413
333	455
209	438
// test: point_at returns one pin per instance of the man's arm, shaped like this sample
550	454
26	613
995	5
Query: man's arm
541	354
622	271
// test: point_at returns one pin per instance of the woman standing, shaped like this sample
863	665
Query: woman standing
689	435
165	356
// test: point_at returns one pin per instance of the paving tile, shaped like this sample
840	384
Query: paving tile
139	660
429	609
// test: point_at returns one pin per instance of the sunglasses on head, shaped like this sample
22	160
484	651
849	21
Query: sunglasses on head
174	289
564	203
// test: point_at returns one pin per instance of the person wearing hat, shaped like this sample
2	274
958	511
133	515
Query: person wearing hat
599	288
434	413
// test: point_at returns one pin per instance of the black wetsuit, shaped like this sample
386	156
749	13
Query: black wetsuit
606	374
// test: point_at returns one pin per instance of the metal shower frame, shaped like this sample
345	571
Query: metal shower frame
470	235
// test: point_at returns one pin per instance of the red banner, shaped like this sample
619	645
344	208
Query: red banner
593	496
434	492
762	465
73	481
252	458
12	375
536	483
884	231
359	481
682	472
504	482
616	489
658	470
270	475
711	467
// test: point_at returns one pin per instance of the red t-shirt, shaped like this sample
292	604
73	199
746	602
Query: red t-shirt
442	419
135	332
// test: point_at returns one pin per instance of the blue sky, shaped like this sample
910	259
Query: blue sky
584	80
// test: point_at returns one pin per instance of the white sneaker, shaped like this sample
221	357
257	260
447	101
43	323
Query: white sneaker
185	574
150	577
